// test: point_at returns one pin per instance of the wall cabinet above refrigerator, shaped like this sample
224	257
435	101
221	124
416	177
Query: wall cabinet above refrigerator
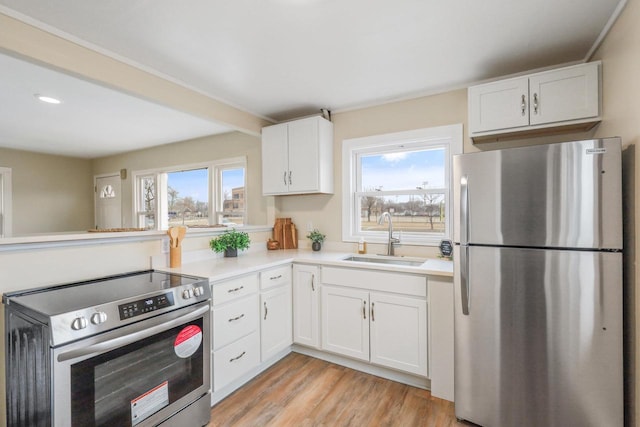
297	157
562	100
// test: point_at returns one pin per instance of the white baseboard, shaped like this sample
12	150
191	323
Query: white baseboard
389	374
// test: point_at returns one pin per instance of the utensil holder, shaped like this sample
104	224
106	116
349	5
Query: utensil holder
175	257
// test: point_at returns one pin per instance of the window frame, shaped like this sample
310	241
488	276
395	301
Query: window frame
159	175
449	137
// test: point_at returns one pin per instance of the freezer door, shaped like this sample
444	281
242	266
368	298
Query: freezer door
541	344
565	195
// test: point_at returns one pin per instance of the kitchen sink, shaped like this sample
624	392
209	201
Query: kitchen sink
391	260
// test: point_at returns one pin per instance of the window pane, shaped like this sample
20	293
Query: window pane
404	170
410	213
232	196
188	197
148	203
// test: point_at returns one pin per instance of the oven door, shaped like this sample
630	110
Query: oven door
138	375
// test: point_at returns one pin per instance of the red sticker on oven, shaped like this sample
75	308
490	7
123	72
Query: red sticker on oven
188	341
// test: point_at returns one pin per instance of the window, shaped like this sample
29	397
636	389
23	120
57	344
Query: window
406	174
191	195
231	206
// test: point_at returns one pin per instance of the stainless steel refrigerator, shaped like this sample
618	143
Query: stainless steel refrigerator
538	285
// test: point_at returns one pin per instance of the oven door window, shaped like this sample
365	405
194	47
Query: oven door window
125	386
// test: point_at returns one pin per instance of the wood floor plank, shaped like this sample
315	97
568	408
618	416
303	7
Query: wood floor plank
302	391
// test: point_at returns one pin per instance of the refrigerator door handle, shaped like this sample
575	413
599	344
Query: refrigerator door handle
464	210
465	293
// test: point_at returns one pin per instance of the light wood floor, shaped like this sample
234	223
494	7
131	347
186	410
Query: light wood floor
304	391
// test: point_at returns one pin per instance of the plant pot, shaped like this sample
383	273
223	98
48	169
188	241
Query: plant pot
316	246
230	252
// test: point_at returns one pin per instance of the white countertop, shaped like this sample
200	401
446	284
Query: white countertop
224	268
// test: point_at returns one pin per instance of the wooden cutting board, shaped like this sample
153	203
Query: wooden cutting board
284	231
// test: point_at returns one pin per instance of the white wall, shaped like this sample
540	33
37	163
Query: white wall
50	193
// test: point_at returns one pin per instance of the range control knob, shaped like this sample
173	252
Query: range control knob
98	318
187	293
79	323
198	291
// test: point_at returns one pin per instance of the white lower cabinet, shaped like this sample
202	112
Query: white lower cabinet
234	360
385	329
398	331
275	320
235	341
345	321
306	290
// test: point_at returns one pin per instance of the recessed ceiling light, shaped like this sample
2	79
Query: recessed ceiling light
47	99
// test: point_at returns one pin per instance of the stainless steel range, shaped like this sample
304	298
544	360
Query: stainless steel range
127	350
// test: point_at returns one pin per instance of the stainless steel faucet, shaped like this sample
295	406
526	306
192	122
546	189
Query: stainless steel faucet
392	240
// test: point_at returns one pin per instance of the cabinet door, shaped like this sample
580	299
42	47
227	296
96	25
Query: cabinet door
566	94
499	105
275	166
345	322
275	321
305	305
304	155
399	332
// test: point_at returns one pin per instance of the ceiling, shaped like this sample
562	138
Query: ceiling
281	59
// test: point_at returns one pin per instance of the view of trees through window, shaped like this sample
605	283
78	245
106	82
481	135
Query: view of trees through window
182	197
410	185
188	197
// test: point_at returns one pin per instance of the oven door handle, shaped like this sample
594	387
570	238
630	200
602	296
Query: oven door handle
137	335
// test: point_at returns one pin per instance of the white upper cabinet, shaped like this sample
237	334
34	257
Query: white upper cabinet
566	99
297	157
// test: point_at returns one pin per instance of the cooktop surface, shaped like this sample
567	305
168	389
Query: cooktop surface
51	301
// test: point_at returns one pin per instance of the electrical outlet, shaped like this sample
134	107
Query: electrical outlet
165	245
310	226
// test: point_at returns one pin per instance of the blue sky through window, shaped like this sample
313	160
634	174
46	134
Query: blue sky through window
192	183
404	170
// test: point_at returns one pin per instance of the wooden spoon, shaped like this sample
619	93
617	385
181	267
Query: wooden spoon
173	236
182	230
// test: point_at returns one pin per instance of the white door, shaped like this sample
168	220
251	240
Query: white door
499	105
275	163
303	155
5	202
566	94
305	305
345	322
399	332
108	202
275	321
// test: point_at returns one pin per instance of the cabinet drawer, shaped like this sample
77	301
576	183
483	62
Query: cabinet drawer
275	277
408	284
234	360
234	320
234	288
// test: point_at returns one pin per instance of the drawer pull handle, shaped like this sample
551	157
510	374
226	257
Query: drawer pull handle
373	315
265	310
235	289
236	318
233	359
275	277
364	309
313	279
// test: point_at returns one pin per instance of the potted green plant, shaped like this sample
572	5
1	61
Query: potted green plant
229	242
316	238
